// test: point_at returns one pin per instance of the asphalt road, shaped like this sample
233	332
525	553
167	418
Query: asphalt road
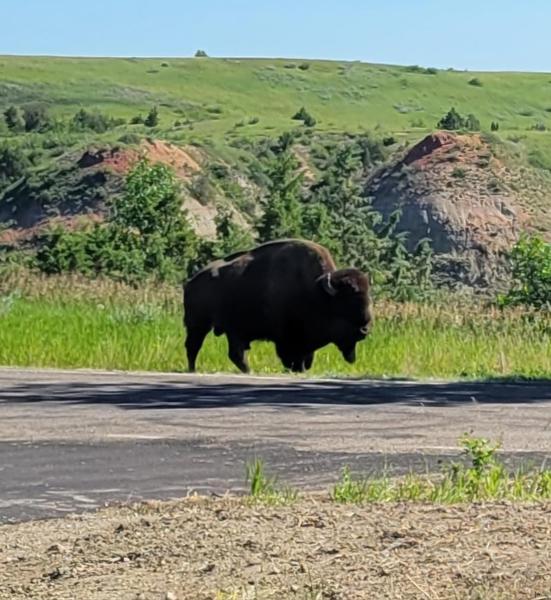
72	441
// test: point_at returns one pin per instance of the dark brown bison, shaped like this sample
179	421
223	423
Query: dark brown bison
288	292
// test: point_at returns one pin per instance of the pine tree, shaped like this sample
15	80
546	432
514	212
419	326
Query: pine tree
451	121
282	215
152	119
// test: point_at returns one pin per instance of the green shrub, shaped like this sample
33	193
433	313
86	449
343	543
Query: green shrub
94	121
13	118
451	121
14	163
304	116
152	119
531	269
472	123
459	173
475	81
146	234
36	118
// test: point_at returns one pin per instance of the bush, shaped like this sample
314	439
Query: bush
201	54
472	123
452	121
146	234
494	126
304	116
131	139
459	173
14	119
36	118
152	119
475	81
94	121
202	190
531	269
13	164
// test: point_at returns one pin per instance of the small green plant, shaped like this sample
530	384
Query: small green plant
349	489
459	173
475	81
265	489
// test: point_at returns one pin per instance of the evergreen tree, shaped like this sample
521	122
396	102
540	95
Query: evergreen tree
472	123
282	215
452	121
230	237
152	119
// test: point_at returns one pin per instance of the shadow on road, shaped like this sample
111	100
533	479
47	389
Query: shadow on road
301	394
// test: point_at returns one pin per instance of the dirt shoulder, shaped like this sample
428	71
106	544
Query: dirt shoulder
227	548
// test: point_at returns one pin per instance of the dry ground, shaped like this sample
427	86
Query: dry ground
229	548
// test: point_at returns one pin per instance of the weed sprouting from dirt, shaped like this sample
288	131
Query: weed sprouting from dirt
265	489
484	478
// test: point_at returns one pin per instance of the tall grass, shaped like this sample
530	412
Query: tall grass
70	323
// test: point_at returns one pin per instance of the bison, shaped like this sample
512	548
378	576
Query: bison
288	292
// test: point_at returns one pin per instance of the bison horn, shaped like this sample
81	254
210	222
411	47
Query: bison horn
328	286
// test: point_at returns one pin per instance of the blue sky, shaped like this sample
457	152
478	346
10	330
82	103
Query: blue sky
483	34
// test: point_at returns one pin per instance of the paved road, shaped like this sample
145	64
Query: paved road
74	440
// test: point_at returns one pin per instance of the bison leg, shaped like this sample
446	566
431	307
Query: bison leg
237	353
194	340
293	360
302	363
308	359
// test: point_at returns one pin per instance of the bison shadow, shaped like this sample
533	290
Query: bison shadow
183	394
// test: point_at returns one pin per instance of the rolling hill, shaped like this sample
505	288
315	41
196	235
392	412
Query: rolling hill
215	110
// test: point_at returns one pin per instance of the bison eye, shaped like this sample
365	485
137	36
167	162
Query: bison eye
364	329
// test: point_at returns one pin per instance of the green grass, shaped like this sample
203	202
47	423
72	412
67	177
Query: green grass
72	323
266	489
218	93
484	479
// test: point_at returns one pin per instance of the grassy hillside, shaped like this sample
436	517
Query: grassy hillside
220	112
218	94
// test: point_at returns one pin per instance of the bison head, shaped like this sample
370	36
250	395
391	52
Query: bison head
347	293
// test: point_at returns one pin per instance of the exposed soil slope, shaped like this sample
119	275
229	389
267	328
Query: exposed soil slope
80	186
453	189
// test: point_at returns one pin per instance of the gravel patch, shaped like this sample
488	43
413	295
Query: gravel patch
227	548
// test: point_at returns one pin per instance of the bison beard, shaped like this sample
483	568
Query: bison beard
288	292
